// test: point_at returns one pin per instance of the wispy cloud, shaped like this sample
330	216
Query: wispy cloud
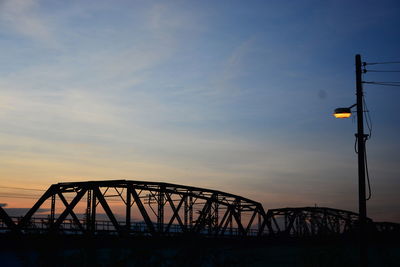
219	96
24	18
234	68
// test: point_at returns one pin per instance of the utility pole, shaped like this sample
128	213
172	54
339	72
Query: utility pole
361	138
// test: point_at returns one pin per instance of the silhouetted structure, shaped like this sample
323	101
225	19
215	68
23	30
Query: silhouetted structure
164	209
311	221
4	218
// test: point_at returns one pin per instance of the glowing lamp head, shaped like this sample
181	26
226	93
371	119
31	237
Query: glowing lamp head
342	113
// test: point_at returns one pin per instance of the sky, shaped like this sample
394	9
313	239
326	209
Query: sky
235	96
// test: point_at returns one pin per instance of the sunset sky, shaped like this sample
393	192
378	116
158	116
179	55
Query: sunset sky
229	95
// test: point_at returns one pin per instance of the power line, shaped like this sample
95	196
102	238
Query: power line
379	63
369	125
25	197
22	188
367	172
4	194
381	71
382	82
396	84
367	118
34	197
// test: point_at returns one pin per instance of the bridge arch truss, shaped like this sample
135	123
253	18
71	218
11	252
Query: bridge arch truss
143	208
311	221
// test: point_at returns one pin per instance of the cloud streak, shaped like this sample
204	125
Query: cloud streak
220	97
24	17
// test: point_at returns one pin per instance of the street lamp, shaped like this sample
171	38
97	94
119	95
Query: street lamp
343	113
361	138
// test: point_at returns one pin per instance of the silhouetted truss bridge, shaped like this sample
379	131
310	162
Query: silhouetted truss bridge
129	208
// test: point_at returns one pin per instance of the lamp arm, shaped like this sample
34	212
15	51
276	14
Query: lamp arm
352	106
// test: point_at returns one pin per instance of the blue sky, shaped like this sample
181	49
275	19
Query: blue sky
232	95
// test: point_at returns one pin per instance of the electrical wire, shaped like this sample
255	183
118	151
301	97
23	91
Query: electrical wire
367	172
388	84
380	63
366	166
25	197
396	84
369	126
367	118
34	197
367	115
355	145
22	188
382	82
381	70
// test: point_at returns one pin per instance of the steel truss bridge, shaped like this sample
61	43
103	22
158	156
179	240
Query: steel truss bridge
129	208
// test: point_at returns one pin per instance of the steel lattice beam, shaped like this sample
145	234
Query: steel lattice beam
7	220
164	209
311	221
152	208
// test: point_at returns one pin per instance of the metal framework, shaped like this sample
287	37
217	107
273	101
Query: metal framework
136	207
126	208
311	221
6	220
388	227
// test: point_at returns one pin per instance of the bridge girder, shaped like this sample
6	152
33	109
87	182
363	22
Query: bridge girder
311	221
164	208
9	223
153	208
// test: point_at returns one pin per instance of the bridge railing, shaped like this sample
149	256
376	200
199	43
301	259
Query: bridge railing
41	225
38	225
